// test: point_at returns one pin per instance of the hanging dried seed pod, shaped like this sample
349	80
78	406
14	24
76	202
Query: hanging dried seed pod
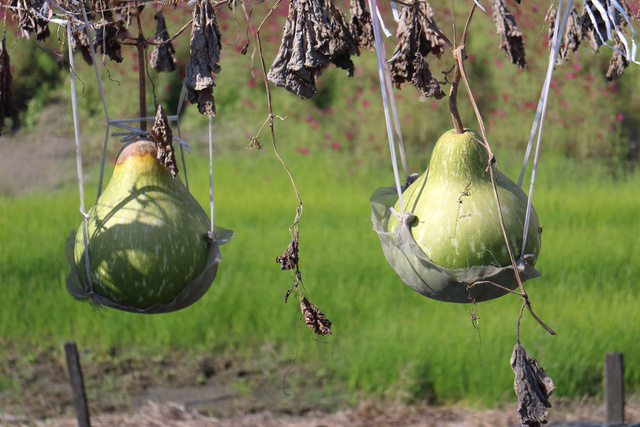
162	58
204	59
8	107
315	36
510	35
415	36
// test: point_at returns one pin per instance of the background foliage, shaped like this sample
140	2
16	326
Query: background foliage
388	340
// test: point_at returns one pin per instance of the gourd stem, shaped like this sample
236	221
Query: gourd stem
453	96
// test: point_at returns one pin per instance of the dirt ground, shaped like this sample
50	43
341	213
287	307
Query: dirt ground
189	390
198	390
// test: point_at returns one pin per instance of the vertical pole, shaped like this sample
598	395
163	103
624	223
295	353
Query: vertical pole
77	384
614	389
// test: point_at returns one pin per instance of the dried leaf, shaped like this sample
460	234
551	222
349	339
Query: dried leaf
533	388
424	80
8	107
163	137
618	61
361	26
593	33
573	33
510	35
80	41
109	34
32	16
101	8
314	318
415	36
127	10
162	59
315	36
289	258
205	57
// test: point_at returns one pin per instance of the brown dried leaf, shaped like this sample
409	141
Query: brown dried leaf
573	33
109	34
162	59
591	32
361	26
205	57
314	318
315	36
424	80
415	36
163	137
618	61
101	8
127	10
533	388
289	258
8	107
510	35
80	41
31	15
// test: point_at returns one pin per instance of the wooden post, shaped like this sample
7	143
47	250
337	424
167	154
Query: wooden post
77	384
614	389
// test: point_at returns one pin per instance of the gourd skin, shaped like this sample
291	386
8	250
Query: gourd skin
146	233
456	223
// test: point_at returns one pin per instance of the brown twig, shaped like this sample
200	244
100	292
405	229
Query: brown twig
459	57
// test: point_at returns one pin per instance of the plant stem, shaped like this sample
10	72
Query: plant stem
453	95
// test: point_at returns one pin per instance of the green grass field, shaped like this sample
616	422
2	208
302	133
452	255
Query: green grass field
387	339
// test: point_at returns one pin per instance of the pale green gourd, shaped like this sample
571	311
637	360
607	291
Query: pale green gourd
456	219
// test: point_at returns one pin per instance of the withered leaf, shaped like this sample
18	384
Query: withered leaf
314	318
31	15
573	33
162	59
415	36
101	8
204	57
163	137
593	32
80	41
618	61
8	107
289	258
361	25
109	34
424	80
315	36
533	388
510	35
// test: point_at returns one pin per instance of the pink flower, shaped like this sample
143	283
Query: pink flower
335	146
251	83
305	151
620	117
577	67
365	103
570	76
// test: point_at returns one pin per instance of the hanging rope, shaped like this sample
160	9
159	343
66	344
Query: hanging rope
387	93
76	128
538	122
